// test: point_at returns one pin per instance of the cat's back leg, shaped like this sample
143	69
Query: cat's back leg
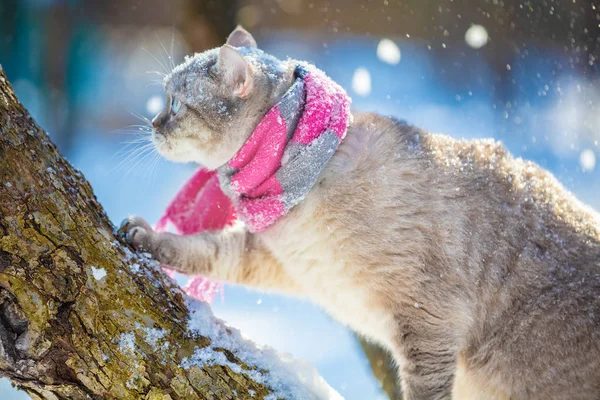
546	347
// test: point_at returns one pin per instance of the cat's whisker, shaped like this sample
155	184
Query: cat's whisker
133	132
134	155
166	52
160	81
156	59
156	83
133	129
126	152
159	159
150	158
144	154
172	44
141	138
136	136
141	117
136	141
131	153
142	129
154	167
161	74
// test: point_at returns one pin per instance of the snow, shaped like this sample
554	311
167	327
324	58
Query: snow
361	81
155	104
98	273
287	378
388	51
127	343
153	336
135	268
476	36
587	160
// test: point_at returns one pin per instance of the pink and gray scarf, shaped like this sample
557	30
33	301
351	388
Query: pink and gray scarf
273	170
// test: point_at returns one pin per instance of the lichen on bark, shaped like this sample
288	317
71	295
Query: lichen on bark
77	307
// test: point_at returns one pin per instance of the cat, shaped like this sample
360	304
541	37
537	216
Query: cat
476	270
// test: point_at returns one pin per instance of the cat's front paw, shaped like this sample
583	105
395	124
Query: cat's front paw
137	232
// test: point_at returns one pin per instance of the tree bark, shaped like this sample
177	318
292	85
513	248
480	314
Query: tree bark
383	367
81	315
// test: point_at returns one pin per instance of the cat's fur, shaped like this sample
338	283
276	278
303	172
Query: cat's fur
478	271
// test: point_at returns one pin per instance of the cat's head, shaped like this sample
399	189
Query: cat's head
215	99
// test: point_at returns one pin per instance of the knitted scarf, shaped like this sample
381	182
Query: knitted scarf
273	170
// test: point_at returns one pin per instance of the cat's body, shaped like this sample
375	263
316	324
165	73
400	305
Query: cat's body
478	271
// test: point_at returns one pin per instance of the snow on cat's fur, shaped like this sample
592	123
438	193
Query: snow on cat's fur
479	272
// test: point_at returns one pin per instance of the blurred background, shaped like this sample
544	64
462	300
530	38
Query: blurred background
523	72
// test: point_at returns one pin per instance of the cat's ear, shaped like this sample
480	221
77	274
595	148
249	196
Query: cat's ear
236	71
241	38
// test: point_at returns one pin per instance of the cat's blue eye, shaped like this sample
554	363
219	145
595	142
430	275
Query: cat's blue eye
175	106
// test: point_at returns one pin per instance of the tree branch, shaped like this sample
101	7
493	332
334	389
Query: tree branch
82	317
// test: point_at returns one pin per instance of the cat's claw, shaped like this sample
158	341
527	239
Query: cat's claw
137	232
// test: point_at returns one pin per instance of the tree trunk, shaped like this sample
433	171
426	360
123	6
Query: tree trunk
383	367
83	317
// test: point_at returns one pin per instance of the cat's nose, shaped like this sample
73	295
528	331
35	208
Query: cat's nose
162	116
156	121
159	120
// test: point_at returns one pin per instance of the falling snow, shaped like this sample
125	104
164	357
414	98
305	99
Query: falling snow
388	51
155	104
587	160
361	82
476	36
